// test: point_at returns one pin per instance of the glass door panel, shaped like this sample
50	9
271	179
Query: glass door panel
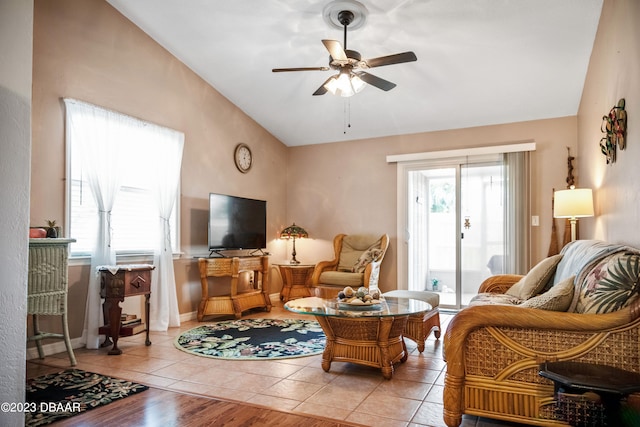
482	219
432	223
455	229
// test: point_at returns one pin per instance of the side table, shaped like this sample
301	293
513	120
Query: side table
116	283
610	383
296	280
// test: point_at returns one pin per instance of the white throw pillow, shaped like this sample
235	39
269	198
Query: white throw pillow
536	279
558	298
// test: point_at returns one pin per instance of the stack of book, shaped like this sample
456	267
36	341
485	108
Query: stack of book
130	324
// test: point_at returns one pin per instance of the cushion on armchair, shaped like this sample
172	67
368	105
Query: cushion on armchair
536	279
366	258
353	247
342	278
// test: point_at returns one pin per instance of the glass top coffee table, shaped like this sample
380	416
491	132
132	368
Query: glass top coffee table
369	335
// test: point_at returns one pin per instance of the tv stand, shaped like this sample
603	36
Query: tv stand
235	302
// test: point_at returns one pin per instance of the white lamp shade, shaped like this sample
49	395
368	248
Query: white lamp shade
573	203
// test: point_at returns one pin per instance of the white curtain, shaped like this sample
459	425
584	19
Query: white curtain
110	142
166	180
93	131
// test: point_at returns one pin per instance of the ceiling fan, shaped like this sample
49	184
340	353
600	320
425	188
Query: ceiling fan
351	78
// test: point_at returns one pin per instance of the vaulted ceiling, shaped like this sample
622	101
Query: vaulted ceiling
480	62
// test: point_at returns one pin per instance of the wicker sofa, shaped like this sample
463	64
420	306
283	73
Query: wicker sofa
493	349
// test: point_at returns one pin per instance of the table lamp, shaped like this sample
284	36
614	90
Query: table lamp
573	203
294	232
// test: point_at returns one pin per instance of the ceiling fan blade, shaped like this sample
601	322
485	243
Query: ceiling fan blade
398	58
335	49
280	70
375	81
322	90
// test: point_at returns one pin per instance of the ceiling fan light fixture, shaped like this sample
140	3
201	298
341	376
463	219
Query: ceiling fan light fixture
345	85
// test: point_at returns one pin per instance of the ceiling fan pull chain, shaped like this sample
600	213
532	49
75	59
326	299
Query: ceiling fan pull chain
347	115
344	119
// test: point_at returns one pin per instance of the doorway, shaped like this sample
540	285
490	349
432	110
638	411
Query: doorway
455	226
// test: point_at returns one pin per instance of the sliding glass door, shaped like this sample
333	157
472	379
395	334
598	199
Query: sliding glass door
454	226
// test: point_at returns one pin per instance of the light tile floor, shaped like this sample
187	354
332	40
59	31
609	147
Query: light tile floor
413	397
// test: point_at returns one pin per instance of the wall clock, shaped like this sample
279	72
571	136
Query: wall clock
243	158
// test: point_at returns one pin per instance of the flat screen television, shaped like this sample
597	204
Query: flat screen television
236	223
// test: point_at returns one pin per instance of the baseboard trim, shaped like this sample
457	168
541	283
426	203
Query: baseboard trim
59	347
54	348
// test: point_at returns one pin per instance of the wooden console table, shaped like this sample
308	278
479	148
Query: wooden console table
116	283
235	302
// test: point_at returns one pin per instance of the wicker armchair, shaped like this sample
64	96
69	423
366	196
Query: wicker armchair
493	355
329	277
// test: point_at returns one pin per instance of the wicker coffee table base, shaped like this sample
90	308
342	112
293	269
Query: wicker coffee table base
370	341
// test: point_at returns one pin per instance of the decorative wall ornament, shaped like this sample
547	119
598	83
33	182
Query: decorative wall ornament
614	126
570	178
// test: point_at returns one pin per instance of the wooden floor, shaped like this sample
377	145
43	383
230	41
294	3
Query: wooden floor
158	407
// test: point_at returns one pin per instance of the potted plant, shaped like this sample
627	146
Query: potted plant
52	231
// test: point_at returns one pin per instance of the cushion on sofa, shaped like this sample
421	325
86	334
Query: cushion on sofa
610	285
536	279
488	298
558	298
579	254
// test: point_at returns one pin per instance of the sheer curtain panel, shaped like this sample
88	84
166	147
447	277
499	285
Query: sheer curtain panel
96	133
164	300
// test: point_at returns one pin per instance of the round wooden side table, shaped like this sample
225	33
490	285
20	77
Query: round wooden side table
296	280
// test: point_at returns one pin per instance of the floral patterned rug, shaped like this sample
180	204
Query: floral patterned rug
64	394
254	339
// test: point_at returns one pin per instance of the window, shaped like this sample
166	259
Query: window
134	221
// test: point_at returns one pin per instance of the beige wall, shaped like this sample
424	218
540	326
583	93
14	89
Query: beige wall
614	73
85	49
350	188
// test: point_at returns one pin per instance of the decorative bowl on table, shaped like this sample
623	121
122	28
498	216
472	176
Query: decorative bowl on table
361	299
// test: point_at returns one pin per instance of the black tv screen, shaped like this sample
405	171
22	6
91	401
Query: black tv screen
237	222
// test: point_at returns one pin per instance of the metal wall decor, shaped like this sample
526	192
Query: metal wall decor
614	126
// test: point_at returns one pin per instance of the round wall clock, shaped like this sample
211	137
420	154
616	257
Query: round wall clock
243	158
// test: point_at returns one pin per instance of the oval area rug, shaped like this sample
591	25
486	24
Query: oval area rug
254	339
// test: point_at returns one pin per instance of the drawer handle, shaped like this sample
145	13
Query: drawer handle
137	282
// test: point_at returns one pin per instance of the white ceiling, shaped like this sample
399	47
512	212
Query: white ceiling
480	62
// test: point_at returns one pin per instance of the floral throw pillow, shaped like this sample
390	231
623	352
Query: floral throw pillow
366	258
611	285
